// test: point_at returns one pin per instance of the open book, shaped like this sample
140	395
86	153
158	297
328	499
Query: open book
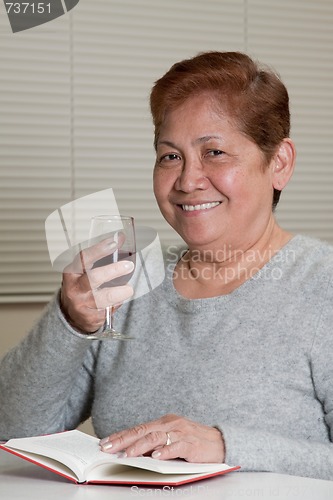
77	457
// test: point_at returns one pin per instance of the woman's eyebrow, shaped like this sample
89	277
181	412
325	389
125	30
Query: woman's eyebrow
200	140
166	143
207	138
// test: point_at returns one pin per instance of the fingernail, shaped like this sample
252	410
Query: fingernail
128	265
104	441
109	244
107	446
122	454
156	454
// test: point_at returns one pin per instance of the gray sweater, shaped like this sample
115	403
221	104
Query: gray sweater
257	363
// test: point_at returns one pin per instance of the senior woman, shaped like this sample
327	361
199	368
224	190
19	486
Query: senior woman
233	353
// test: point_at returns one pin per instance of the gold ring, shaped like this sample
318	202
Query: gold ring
168	441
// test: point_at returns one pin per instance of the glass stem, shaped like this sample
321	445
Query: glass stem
109	319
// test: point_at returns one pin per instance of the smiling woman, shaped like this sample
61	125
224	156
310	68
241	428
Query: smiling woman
237	339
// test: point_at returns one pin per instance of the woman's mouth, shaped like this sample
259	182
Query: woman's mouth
202	206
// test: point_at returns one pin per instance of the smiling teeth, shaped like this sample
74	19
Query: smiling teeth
203	206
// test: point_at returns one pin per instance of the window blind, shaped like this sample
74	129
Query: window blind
296	38
75	118
35	152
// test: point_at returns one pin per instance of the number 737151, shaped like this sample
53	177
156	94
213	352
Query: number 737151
28	7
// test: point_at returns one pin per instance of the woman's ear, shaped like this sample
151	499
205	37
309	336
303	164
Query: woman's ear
283	164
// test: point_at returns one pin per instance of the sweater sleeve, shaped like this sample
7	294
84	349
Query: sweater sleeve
256	450
46	381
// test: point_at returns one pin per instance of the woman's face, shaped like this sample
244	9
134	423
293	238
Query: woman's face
210	181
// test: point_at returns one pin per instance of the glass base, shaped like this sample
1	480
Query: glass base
108	335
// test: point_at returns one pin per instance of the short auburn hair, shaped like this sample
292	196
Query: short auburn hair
251	93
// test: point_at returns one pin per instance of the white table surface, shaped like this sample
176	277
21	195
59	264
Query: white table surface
21	480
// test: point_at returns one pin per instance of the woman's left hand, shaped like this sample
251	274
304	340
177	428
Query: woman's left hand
169	437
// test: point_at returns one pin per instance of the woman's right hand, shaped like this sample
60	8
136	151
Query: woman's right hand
80	290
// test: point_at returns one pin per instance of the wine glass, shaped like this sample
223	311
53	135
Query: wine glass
120	228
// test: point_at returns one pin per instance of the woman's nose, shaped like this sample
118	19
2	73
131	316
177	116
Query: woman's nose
191	178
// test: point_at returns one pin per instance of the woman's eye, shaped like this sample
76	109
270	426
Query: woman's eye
215	152
169	158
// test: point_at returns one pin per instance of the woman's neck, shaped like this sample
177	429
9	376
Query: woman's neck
203	273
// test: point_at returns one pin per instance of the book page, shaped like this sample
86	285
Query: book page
49	464
171	466
73	448
122	474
